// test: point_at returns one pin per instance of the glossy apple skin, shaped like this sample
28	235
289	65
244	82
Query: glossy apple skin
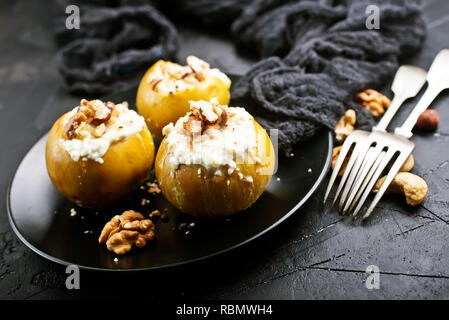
208	195
161	109
127	164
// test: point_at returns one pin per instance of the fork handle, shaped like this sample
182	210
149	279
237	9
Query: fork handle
395	104
429	95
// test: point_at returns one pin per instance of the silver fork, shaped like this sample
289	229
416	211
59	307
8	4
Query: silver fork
374	160
407	82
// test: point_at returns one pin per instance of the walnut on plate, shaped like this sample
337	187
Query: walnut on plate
125	230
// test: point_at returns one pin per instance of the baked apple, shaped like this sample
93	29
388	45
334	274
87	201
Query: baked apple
99	153
166	88
215	161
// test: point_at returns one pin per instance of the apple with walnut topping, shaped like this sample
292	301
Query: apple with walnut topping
166	88
216	161
99	153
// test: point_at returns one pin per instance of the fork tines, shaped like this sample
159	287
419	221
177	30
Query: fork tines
365	167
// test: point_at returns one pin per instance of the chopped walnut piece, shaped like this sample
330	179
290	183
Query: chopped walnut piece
111	105
92	112
176	71
193	126
99	131
87	108
102	114
209	113
155	214
222	115
167	129
154	83
345	125
153	187
374	101
73	123
124	231
197	65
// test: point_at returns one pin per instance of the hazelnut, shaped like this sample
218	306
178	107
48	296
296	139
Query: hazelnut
428	120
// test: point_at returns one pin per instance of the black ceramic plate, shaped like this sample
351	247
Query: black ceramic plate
41	217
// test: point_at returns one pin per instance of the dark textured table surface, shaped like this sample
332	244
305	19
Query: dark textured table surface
316	254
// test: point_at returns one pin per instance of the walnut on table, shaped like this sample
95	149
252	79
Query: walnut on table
125	230
153	188
374	101
155	214
345	125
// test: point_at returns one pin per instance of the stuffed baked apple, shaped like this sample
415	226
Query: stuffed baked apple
99	153
215	161
166	88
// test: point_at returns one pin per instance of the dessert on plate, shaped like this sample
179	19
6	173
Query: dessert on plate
99	152
215	161
166	88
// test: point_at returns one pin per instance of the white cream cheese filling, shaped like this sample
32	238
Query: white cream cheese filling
120	127
216	147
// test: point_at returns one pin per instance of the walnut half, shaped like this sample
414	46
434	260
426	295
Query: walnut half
125	230
345	125
374	101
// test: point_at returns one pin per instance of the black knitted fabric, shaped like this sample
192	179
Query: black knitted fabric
114	44
211	13
328	55
316	54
